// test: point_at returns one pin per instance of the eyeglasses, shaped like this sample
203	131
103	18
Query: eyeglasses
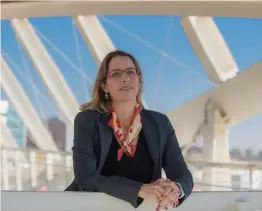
117	73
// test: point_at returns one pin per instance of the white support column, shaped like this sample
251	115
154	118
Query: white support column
25	109
215	149
46	68
95	36
210	47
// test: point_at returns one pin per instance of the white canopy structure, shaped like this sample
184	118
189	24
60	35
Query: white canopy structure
236	98
34	8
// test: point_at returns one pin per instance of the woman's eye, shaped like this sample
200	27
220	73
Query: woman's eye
131	72
115	73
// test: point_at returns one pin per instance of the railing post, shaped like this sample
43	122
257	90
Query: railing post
5	169
251	178
67	167
33	168
49	167
18	170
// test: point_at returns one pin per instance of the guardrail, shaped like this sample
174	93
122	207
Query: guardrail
48	170
75	201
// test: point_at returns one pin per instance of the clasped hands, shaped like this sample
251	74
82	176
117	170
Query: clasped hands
163	191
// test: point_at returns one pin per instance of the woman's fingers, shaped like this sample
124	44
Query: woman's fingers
155	191
162	191
169	183
159	181
166	202
170	198
159	191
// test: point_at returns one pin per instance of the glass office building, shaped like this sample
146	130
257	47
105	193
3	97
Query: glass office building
13	122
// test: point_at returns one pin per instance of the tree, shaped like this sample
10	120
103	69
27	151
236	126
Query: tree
259	155
236	154
249	154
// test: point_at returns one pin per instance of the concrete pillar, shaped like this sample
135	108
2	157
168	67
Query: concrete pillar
215	149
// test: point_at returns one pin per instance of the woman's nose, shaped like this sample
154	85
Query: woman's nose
125	78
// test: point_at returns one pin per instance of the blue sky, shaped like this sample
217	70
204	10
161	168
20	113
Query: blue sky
167	84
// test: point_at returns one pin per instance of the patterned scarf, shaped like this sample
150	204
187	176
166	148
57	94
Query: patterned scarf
125	140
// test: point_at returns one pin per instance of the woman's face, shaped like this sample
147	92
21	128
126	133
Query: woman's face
122	81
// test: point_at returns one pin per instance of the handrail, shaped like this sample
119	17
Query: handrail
63	160
232	164
76	201
37	151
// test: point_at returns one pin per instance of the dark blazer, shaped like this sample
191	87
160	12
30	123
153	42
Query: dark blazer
92	140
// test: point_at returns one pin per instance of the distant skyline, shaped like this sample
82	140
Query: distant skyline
167	85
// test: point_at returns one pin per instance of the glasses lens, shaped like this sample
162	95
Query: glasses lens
131	72
115	73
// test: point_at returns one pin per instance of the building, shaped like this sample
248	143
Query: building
14	122
57	129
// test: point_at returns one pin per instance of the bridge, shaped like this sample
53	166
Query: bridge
209	116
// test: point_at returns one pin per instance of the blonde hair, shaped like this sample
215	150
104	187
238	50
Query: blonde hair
99	102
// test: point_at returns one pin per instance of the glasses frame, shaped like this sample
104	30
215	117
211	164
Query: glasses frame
122	72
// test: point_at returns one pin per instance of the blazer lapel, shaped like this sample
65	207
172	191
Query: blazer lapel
151	133
106	136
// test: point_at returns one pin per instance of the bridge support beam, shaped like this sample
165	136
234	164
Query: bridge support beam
26	111
95	36
210	47
47	69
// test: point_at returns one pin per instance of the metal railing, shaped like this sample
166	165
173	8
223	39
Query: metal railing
240	175
35	170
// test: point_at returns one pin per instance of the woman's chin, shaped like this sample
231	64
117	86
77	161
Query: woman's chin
126	98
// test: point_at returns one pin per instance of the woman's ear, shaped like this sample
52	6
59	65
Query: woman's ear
104	87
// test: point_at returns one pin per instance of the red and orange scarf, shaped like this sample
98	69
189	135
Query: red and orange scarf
125	140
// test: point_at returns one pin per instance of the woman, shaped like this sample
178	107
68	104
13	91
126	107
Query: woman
120	147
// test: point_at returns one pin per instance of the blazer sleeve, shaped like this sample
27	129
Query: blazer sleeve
85	166
174	163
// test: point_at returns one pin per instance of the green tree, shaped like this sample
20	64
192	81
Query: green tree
249	154
236	154
259	155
